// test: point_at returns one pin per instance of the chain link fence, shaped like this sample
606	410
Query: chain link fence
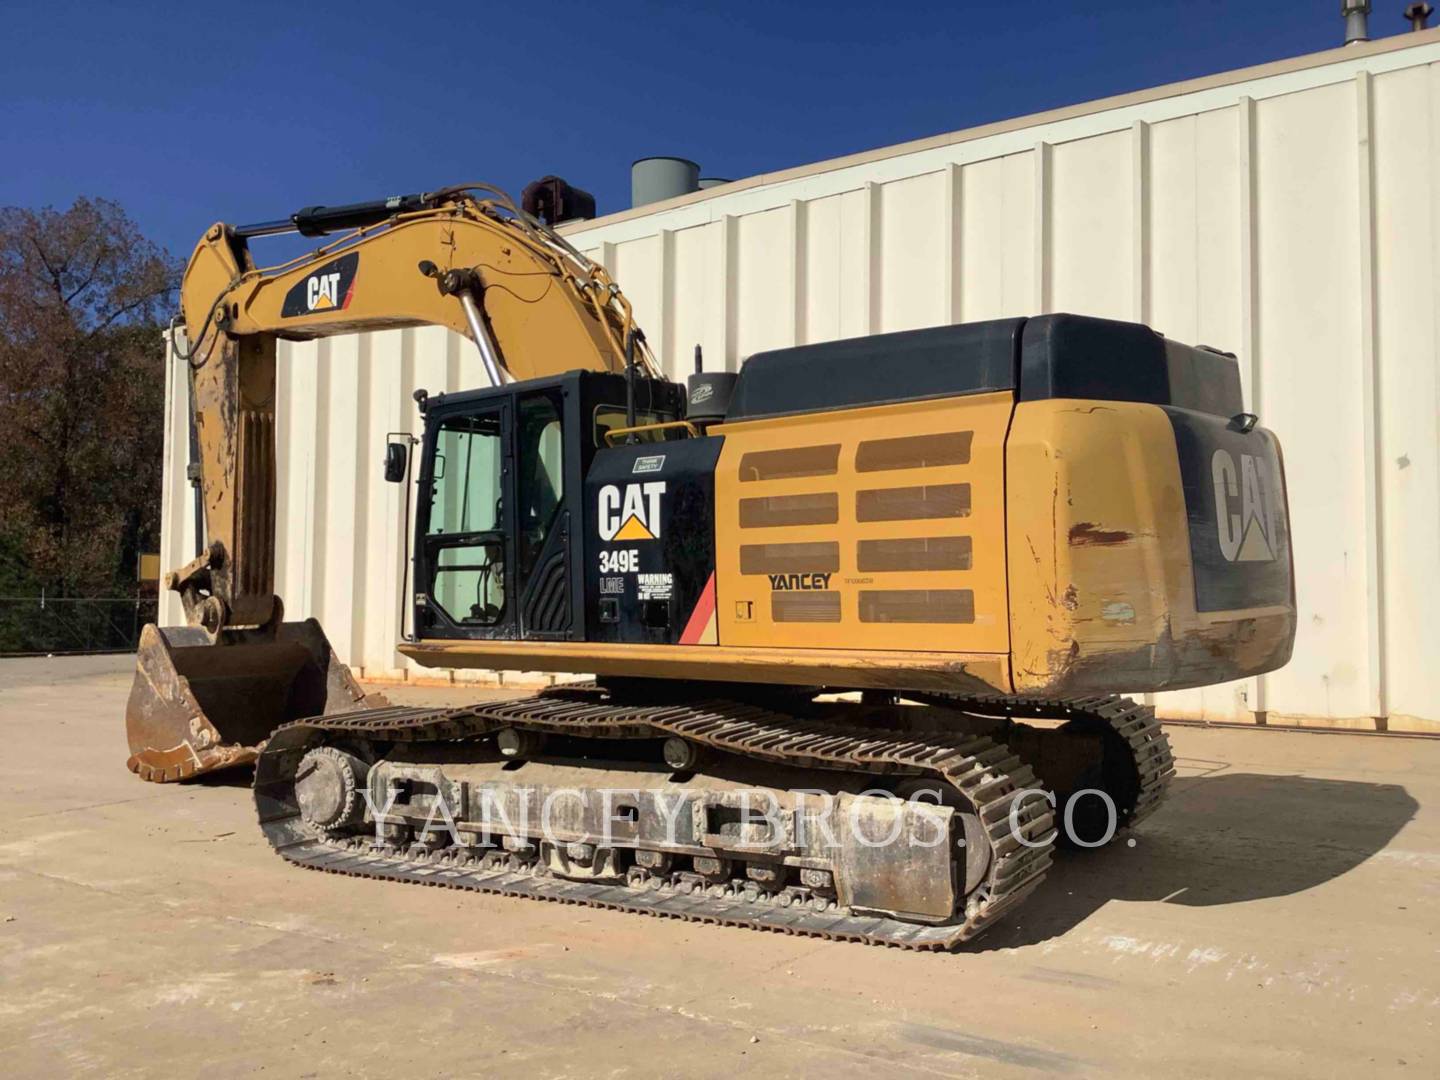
45	625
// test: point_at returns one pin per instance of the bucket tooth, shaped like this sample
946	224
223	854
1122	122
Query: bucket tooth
198	705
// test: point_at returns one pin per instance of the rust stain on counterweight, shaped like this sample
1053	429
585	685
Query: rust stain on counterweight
1088	534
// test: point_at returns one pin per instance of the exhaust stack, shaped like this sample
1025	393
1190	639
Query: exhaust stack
1357	20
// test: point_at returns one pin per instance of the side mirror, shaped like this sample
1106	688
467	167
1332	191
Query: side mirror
397	461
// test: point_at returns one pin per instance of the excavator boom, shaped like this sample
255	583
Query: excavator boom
464	258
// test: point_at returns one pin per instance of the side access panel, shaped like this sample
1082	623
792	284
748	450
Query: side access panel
879	529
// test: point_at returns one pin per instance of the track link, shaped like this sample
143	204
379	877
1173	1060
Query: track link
1118	718
985	772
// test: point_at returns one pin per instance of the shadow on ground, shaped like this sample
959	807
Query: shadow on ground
242	776
1219	839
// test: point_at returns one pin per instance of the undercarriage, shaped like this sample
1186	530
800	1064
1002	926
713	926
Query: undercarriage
915	823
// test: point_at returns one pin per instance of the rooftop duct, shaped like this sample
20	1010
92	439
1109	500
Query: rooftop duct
653	179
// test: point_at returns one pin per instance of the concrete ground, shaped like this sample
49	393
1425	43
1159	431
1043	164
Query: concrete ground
1278	917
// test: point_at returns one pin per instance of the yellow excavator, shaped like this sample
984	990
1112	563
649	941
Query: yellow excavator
859	616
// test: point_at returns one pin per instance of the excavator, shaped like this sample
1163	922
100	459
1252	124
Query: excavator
859	617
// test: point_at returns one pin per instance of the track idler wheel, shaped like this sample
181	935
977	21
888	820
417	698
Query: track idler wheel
330	788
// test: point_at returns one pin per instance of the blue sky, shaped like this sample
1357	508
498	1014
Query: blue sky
187	113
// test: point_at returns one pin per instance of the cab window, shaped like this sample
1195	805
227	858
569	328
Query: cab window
542	473
467	549
612	418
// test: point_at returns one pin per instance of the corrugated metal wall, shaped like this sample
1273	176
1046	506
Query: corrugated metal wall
1289	214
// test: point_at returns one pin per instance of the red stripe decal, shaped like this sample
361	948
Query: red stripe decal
704	608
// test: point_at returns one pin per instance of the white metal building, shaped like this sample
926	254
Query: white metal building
1288	212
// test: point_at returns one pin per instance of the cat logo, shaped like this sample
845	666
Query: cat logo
328	288
321	291
1245	503
633	514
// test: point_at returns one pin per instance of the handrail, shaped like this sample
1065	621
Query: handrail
615	433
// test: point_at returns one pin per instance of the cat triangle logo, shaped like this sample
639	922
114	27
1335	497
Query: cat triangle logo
634	529
322	291
631	513
1254	548
1246	495
328	288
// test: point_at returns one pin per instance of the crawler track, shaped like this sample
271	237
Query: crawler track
983	770
1116	717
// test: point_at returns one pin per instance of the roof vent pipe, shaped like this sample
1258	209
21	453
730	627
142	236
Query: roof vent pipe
1418	14
655	178
1357	20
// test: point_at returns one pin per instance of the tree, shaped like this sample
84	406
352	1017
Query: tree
83	296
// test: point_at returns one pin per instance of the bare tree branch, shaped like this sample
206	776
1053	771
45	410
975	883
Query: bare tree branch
81	393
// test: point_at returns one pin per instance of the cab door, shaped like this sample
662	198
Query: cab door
465	575
543	514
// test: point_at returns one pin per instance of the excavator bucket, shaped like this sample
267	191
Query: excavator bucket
197	706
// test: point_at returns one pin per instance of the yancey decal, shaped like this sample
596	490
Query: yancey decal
328	288
632	514
799	581
1244	508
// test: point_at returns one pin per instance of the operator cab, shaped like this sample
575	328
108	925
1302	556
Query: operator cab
499	505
